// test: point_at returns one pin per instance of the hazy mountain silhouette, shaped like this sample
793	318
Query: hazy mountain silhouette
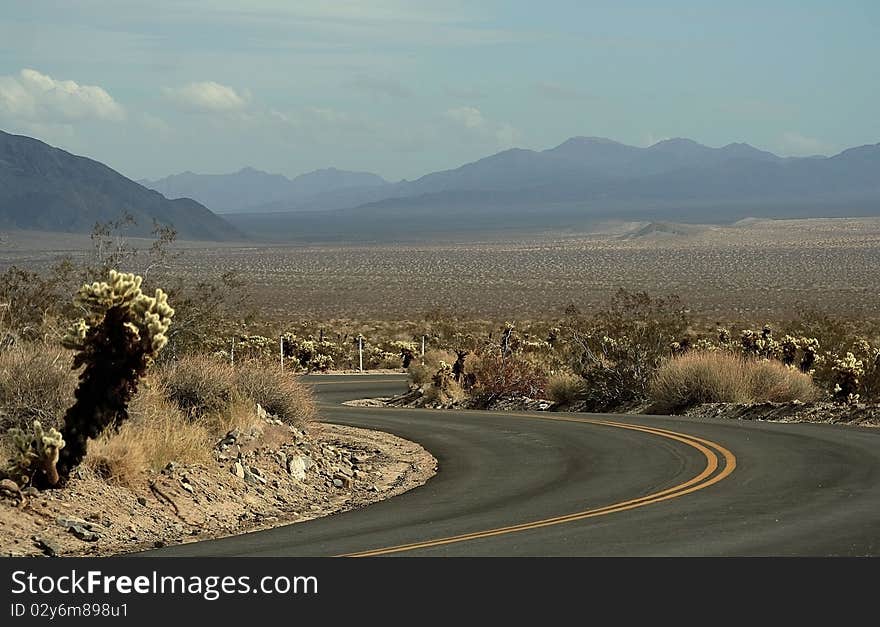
46	188
586	180
254	190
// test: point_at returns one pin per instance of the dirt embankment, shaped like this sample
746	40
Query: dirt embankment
273	475
862	415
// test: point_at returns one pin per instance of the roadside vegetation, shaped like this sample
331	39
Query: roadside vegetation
105	380
197	372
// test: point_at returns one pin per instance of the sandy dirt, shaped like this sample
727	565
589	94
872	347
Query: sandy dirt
271	476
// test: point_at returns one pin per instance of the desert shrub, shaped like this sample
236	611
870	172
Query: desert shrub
198	385
280	393
772	381
444	389
419	375
118	458
434	357
618	350
564	388
722	377
498	376
36	383
166	434
158	433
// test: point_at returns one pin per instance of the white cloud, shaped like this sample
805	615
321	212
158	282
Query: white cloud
34	97
798	145
207	97
469	117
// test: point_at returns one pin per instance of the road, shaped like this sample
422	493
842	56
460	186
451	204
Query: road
557	484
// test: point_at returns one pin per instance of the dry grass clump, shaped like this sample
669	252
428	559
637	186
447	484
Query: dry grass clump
419	375
186	407
564	388
209	387
280	393
722	377
445	394
199	385
36	383
158	433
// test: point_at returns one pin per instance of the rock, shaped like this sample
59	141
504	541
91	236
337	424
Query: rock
238	470
296	466
252	478
170	467
158	544
71	522
30	491
186	485
342	481
262	414
142	501
86	535
10	489
360	458
47	546
229	439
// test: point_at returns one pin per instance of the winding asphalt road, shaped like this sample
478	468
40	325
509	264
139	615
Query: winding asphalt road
557	484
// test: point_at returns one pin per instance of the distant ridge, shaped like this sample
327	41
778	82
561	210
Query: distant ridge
254	190
46	188
588	180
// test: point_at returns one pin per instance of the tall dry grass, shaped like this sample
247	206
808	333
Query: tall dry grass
564	388
180	411
36	383
722	377
280	393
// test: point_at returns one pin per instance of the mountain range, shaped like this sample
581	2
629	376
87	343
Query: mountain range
48	189
580	183
251	190
589	180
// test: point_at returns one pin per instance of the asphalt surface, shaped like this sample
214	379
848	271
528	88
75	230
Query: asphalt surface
557	484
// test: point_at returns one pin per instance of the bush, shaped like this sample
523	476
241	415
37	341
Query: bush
35	384
419	375
158	433
198	385
513	375
564	388
721	377
206	387
619	349
280	393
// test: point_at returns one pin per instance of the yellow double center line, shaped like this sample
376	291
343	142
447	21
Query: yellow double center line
709	476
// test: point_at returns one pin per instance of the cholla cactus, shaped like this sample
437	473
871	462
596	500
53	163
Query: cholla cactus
121	334
847	371
704	345
33	452
443	377
759	344
810	357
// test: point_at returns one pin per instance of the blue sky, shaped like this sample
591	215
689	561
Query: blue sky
402	88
